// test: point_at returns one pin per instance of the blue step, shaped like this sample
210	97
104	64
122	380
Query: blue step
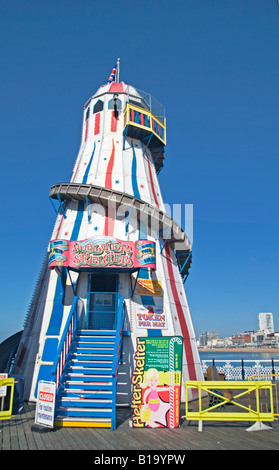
88	386
74	376
90	394
86	402
96	333
92	350
84	412
90	365
90	357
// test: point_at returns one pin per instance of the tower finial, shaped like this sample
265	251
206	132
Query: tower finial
114	76
118	70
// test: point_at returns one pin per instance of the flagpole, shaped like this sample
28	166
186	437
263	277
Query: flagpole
118	70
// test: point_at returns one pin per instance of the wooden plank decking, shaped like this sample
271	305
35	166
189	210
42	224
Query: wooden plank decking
21	433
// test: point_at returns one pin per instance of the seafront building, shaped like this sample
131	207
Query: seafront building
114	272
266	322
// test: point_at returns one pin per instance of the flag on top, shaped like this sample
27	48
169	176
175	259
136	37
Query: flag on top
112	75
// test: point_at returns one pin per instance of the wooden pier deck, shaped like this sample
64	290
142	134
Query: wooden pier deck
21	433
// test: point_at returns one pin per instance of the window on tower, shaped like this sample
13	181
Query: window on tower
114	101
99	106
87	113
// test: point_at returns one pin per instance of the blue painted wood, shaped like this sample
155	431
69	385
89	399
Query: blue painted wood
85	413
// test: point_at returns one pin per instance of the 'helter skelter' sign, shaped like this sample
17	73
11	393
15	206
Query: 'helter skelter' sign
156	382
102	252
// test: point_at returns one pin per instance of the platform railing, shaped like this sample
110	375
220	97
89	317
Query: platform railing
65	343
120	316
145	120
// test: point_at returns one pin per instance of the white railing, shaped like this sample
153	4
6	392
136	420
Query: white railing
242	369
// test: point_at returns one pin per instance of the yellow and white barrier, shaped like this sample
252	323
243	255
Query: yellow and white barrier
6	397
245	396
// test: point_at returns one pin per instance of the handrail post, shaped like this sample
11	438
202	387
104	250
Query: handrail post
272	367
242	369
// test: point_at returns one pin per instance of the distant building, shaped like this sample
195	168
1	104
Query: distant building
241	339
211	335
202	340
266	322
258	337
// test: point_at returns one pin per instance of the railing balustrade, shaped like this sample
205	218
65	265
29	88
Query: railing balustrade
242	369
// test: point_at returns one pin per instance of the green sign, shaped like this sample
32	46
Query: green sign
156	381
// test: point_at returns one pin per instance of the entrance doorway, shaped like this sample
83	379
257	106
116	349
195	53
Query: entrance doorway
102	300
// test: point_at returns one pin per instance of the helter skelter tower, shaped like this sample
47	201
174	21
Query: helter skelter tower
115	265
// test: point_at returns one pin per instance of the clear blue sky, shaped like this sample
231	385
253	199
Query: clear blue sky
214	65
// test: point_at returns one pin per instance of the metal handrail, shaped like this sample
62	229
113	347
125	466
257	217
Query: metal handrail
65	343
117	354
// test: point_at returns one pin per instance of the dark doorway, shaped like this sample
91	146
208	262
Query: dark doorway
102	299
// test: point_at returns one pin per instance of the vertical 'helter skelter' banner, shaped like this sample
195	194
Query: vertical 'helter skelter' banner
156	381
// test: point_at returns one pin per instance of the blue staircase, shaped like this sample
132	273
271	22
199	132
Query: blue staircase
86	376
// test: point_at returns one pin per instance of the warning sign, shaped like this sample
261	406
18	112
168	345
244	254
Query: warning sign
45	404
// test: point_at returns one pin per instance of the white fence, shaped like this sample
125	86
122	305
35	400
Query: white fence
242	369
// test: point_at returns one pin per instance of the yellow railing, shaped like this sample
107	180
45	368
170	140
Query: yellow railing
236	393
139	117
275	386
6	398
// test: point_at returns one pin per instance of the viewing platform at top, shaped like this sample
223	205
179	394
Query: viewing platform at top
144	119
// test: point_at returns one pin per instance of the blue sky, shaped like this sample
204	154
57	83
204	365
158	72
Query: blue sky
214	65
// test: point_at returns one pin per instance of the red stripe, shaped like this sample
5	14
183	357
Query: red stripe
109	221
86	131
108	180
97	123
113	125
109	215
182	321
152	184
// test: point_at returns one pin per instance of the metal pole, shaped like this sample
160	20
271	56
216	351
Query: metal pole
272	367
242	369
118	69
